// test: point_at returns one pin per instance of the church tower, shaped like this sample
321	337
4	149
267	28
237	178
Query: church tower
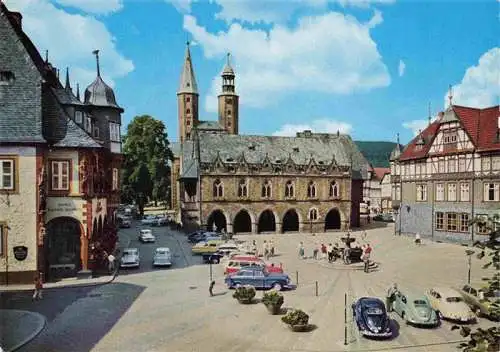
187	99
228	100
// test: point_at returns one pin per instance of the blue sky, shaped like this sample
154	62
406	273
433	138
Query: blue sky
368	68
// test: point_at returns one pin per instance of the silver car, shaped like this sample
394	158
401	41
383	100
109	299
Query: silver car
130	258
162	257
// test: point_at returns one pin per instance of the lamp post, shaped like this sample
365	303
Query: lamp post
469	254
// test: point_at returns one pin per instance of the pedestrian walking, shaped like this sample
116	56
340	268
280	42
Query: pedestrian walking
111	263
391	295
363	235
418	240
301	250
366	254
347	251
329	250
315	253
266	250
324	251
271	250
37	294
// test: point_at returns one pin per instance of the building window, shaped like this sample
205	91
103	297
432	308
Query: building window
495	163
289	189
218	190
492	192
441	166
96	132
482	225
439	192
461	164
486	163
452	192
451	222
229	113
7	175
439	220
79	117
464	192
464	222
60	175
242	189
313	214
397	192
3	239
334	190
450	137
452	165
422	193
88	124
311	190
7	77
114	132
266	189
188	99
188	111
115	182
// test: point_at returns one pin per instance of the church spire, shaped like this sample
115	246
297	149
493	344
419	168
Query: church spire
67	85
188	81
96	53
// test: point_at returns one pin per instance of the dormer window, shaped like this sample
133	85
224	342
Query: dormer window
96	132
114	132
7	77
450	137
88	124
78	117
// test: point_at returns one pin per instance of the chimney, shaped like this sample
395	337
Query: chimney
17	17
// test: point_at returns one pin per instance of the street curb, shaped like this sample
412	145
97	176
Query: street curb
34	334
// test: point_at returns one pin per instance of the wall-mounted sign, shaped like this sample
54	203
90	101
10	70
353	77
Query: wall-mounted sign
64	206
20	252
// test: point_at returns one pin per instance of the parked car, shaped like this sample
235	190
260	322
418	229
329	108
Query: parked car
480	305
229	248
237	262
258	277
125	223
371	317
146	235
210	246
414	309
130	258
162	221
387	217
149	220
449	304
162	257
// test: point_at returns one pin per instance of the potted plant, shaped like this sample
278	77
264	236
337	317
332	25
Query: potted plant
244	294
273	300
297	320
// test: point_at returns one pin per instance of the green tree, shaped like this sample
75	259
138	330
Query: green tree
487	340
146	167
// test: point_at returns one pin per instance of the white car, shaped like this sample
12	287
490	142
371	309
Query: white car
449	304
130	258
162	257
146	235
149	220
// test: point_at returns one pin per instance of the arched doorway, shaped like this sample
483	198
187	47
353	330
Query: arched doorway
267	222
332	220
291	221
242	222
218	219
62	248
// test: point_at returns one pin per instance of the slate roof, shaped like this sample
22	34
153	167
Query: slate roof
98	93
481	125
321	147
66	96
76	137
188	81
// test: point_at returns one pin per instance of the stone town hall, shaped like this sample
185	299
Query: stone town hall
312	182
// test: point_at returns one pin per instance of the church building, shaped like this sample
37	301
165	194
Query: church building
223	180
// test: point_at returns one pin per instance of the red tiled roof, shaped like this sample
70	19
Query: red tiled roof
480	124
381	171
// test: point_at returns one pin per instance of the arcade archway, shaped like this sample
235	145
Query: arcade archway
218	219
267	222
242	222
291	221
332	220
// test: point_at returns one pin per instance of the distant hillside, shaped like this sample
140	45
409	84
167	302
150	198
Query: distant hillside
377	153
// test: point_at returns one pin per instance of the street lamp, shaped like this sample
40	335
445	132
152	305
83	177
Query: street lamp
469	254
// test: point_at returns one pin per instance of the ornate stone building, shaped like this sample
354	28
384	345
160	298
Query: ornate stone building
448	175
240	183
59	163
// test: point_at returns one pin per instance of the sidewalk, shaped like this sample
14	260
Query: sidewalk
71	282
19	327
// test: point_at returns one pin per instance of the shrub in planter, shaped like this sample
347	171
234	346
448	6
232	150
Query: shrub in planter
273	300
244	294
296	317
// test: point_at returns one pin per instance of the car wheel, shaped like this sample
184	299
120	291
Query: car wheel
277	286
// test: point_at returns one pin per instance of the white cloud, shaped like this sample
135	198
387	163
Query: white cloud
101	7
480	86
332	53
401	68
418	125
70	39
319	126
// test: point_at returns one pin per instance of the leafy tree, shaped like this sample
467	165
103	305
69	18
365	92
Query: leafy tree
146	167
487	340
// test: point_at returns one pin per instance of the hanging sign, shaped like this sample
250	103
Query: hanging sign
20	252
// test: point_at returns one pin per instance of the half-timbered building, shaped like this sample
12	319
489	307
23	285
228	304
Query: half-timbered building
448	175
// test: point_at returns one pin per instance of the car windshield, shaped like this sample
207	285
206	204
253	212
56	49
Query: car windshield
374	311
161	251
419	302
129	252
454	299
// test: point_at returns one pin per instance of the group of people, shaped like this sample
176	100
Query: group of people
268	248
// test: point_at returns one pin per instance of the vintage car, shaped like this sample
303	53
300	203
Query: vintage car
486	306
237	261
210	246
125	223
130	258
162	220
258	277
449	304
371	317
162	257
146	236
149	220
414	309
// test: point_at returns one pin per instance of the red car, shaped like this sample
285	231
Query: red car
237	261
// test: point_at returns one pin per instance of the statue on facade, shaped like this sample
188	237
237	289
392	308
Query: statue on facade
83	172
